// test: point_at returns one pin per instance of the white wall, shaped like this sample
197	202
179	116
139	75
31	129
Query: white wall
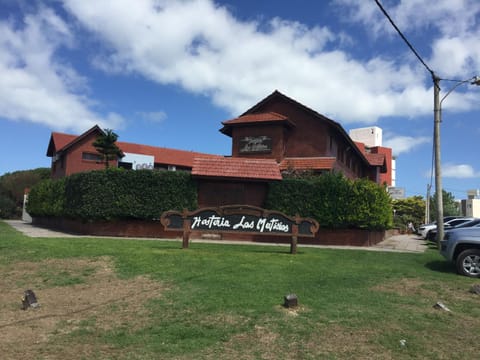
370	136
139	161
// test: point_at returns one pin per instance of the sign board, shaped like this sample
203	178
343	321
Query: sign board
255	144
241	219
396	192
139	161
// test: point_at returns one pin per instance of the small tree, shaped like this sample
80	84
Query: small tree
411	209
13	186
450	205
106	145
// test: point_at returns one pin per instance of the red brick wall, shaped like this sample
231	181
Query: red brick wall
75	163
310	137
219	193
72	162
153	229
385	177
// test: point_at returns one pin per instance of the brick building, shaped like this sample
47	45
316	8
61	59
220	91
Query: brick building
276	136
71	154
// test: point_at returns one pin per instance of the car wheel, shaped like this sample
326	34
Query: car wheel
468	263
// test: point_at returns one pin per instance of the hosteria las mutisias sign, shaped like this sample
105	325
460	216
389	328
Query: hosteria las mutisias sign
241	219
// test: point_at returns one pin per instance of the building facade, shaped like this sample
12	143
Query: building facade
72	154
276	137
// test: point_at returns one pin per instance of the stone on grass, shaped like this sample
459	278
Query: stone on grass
29	299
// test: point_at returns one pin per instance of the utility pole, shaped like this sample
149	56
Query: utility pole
437	113
438	168
427	205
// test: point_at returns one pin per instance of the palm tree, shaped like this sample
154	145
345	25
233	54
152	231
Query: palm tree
107	147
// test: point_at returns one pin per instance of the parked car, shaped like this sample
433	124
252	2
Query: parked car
445	219
425	229
432	234
462	247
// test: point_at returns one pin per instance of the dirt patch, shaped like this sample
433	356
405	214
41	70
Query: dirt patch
406	287
74	295
432	291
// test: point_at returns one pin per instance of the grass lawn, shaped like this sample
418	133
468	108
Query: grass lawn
130	299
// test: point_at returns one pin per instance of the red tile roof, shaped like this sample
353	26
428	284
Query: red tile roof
360	145
308	163
266	117
60	142
254	118
375	159
165	155
238	168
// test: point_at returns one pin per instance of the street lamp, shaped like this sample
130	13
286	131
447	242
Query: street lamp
437	112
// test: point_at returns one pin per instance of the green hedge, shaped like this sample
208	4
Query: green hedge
334	201
115	194
47	198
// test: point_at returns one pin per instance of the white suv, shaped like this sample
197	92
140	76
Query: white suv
425	229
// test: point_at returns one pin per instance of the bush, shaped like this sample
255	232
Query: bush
116	193
47	198
333	200
8	208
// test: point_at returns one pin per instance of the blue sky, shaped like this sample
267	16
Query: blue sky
167	73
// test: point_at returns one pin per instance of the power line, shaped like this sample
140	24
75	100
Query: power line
405	39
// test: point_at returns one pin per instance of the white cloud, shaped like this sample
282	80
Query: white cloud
153	116
454	51
404	144
201	47
37	88
461	171
462	52
447	17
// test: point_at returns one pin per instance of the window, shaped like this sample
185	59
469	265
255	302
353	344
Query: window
91	156
125	165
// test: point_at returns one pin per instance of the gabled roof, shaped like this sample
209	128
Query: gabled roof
236	168
264	117
278	95
60	142
308	163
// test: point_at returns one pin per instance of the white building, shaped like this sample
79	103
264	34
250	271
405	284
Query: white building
471	206
370	136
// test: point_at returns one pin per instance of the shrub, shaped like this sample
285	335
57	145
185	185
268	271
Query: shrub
47	198
8	208
333	200
116	193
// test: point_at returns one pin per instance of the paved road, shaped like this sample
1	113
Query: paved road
398	243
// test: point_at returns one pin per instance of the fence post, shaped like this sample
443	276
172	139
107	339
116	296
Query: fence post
293	244
186	229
